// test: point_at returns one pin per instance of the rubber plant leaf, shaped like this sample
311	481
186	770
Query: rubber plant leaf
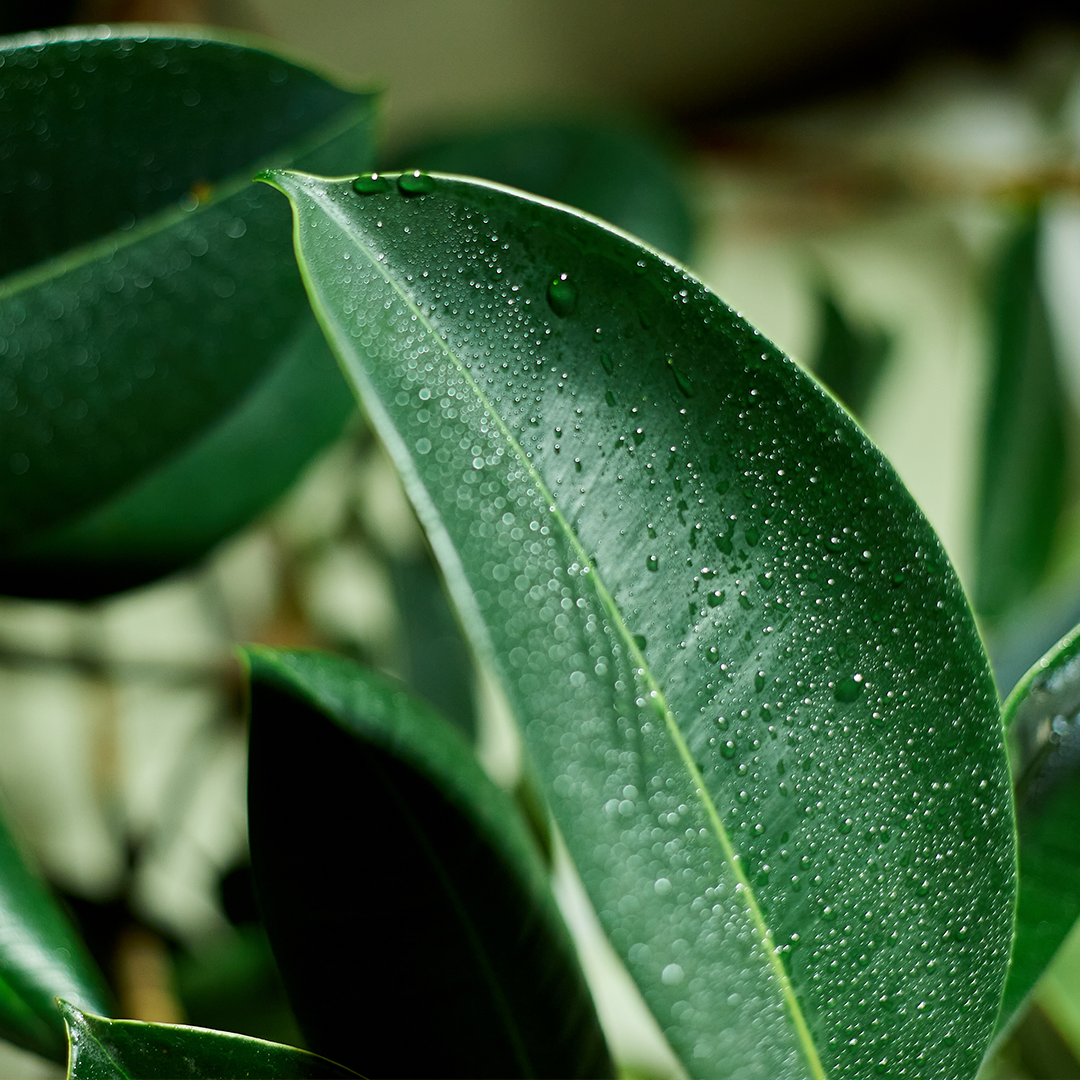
147	302
1023	485
103	1049
41	958
744	668
392	872
1042	717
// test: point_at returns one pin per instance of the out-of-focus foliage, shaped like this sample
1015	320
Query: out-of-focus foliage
130	446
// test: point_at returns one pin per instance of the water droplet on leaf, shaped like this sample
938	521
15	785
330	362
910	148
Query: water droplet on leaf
848	689
562	296
415	183
371	184
684	384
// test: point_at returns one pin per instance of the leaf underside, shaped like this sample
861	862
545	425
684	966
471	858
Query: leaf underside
395	877
103	1049
744	667
146	288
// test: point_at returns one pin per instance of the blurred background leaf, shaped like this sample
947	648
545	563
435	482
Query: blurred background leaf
41	958
615	171
139	311
850	359
1025	464
391	872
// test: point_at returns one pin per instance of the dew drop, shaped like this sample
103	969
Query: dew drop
562	296
848	689
684	384
672	975
759	682
651	563
727	749
605	360
639	640
715	599
371	184
415	183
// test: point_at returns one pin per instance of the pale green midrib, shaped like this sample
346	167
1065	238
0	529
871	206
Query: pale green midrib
787	990
162	220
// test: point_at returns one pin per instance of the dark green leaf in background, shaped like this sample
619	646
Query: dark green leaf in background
406	903
145	290
120	1049
745	670
616	172
41	958
1024	453
1043	724
850	358
210	489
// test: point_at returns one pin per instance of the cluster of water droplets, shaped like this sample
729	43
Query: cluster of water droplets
587	421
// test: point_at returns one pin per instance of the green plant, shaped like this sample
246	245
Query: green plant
750	686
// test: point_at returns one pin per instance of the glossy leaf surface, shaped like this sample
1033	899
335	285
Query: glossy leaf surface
41	958
397	880
617	173
1042	717
1024	451
146	287
103	1049
745	670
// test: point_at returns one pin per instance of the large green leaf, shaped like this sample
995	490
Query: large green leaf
117	1049
614	171
41	958
744	667
1042	717
145	290
1024	452
407	905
